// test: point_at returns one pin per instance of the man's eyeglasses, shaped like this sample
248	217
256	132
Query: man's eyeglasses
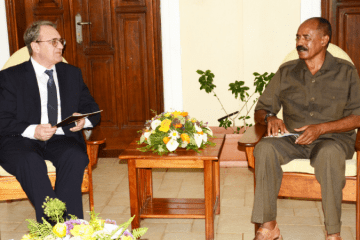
55	41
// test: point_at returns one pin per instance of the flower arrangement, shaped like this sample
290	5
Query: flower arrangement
165	132
77	229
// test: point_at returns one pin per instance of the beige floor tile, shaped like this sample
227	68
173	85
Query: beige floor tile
232	202
232	192
307	212
102	198
242	211
234	224
170	185
347	234
178	227
301	232
118	199
288	212
165	194
300	204
249	199
224	236
167	220
113	209
348	206
189	191
299	220
155	230
348	217
184	236
198	226
12	235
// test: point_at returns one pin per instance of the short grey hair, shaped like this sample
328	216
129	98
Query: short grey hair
32	33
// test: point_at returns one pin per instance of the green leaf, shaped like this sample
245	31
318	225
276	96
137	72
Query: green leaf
200	72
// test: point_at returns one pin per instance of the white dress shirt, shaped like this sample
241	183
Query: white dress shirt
42	79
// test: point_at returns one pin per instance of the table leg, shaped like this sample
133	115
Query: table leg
209	200
217	185
134	194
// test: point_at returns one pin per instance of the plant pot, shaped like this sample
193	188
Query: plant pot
231	155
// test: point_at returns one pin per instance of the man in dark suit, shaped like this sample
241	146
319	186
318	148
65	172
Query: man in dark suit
34	96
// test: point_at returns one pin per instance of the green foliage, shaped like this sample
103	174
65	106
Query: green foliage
239	90
206	80
40	230
54	209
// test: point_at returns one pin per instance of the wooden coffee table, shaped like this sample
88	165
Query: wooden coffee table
144	205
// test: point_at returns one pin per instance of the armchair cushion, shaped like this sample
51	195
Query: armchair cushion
303	166
49	165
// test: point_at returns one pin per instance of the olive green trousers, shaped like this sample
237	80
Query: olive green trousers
326	155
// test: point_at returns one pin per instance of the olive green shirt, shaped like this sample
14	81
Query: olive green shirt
329	95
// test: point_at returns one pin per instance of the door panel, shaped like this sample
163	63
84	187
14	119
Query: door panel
120	55
344	16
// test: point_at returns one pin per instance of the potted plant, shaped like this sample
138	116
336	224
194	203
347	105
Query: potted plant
248	99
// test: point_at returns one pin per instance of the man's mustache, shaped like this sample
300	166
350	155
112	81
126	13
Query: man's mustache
301	48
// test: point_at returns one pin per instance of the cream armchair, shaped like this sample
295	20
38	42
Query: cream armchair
298	179
10	188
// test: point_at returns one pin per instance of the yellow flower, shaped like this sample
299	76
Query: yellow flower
60	230
83	231
26	237
167	114
165	125
126	238
176	113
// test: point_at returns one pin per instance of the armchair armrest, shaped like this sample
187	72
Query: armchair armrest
357	143
93	139
250	138
253	135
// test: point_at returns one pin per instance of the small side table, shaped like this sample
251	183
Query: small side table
142	203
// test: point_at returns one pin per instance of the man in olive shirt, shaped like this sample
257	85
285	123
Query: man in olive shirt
320	97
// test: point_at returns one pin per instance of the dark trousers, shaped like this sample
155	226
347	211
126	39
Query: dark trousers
327	156
24	158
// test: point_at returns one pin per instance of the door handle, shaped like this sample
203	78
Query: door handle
83	23
78	28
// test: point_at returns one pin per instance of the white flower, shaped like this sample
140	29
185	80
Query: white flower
197	128
184	144
198	139
172	145
204	137
210	132
147	134
174	134
155	124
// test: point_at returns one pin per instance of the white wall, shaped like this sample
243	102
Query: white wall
4	39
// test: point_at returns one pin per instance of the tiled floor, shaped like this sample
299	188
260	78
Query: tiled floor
297	219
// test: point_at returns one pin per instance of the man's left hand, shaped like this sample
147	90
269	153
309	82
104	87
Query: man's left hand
310	134
79	124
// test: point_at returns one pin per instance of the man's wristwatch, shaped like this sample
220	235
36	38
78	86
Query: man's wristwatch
268	115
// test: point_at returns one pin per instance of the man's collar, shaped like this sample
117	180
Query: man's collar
39	69
329	63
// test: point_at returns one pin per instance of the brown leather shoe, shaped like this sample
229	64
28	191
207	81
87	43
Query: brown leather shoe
270	234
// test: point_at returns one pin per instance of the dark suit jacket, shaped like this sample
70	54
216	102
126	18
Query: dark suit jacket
20	98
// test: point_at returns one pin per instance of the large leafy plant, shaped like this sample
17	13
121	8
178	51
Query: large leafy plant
241	92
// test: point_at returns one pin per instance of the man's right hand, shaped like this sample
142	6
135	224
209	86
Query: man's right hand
44	132
275	124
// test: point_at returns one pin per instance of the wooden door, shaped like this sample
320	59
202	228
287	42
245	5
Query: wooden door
344	16
120	55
